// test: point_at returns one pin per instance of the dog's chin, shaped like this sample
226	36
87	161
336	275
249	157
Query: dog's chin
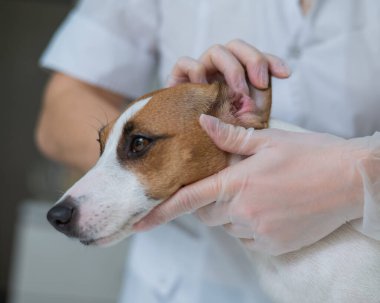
107	240
117	236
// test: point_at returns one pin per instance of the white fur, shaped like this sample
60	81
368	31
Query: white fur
343	267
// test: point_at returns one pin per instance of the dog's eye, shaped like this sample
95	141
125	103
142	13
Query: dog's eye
139	144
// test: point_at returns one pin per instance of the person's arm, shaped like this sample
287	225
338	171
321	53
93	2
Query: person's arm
71	114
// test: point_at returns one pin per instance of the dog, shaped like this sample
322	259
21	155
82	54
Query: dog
157	146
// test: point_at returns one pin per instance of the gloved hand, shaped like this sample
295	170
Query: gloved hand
291	190
234	62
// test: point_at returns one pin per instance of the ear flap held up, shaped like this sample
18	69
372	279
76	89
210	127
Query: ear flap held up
238	109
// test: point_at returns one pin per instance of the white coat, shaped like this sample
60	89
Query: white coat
334	52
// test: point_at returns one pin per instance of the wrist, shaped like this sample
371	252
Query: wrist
357	152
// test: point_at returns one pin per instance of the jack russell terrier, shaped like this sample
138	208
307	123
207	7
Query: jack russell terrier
157	146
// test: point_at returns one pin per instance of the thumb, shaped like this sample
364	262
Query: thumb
187	199
231	138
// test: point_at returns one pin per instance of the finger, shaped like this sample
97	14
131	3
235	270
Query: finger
258	64
233	139
214	214
219	59
254	61
187	199
278	67
238	230
187	69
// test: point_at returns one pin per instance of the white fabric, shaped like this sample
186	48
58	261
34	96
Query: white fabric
187	262
109	44
333	53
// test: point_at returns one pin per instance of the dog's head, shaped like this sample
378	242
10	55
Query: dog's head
155	147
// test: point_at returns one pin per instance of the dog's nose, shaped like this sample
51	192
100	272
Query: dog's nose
62	216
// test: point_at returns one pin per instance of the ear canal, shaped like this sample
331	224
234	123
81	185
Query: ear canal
247	111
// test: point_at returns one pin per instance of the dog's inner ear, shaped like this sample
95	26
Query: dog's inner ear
251	110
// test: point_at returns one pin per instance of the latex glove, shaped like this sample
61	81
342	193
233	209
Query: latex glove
369	167
291	190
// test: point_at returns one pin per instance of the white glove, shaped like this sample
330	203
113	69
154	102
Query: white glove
292	189
369	168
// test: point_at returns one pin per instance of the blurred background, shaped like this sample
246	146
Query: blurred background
37	264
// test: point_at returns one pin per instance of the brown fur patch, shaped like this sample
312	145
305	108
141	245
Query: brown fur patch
184	153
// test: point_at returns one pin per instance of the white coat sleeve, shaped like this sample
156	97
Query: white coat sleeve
110	44
369	168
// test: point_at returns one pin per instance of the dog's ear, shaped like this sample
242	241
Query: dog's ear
238	109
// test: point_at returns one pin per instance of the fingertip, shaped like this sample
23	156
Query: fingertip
145	223
140	226
281	69
151	220
209	123
203	119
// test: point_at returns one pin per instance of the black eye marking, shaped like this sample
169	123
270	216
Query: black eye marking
134	144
